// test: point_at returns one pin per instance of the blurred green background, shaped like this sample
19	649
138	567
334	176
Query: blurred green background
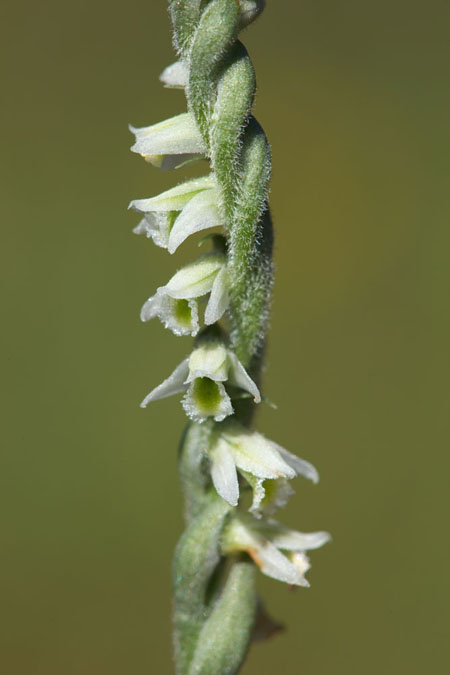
354	96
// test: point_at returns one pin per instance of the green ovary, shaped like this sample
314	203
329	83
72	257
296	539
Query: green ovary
206	395
183	312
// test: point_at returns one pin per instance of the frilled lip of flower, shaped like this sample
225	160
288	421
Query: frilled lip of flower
277	550
202	377
181	212
179	316
233	448
269	494
156	226
171	143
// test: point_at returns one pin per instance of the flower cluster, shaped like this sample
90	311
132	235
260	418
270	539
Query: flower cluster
211	378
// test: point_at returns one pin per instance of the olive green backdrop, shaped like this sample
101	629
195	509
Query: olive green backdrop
354	96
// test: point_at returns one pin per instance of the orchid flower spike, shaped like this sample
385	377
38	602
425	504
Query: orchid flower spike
169	144
176	302
203	376
278	551
174	215
262	462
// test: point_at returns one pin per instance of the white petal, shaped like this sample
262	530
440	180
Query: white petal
209	360
195	279
240	378
176	136
301	563
290	540
176	198
256	454
175	161
176	75
223	473
219	300
300	466
173	385
179	316
276	565
200	213
206	398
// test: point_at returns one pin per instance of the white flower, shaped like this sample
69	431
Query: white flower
176	75
170	144
175	304
206	275
202	376
277	550
175	214
258	459
180	316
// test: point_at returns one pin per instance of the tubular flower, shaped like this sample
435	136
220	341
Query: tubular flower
169	144
175	214
205	275
203	376
278	551
177	314
263	463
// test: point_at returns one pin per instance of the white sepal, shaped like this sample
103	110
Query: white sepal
210	359
291	540
171	143
176	198
224	475
195	279
218	300
179	316
276	565
239	377
174	384
176	75
200	213
300	466
255	454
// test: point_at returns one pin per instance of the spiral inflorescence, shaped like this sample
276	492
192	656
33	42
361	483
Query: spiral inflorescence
221	459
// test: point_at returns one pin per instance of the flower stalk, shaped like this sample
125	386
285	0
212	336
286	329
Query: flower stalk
233	478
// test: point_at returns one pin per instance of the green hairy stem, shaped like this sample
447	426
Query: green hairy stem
221	459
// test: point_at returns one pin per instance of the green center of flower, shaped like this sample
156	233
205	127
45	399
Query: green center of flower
206	395
183	312
171	218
